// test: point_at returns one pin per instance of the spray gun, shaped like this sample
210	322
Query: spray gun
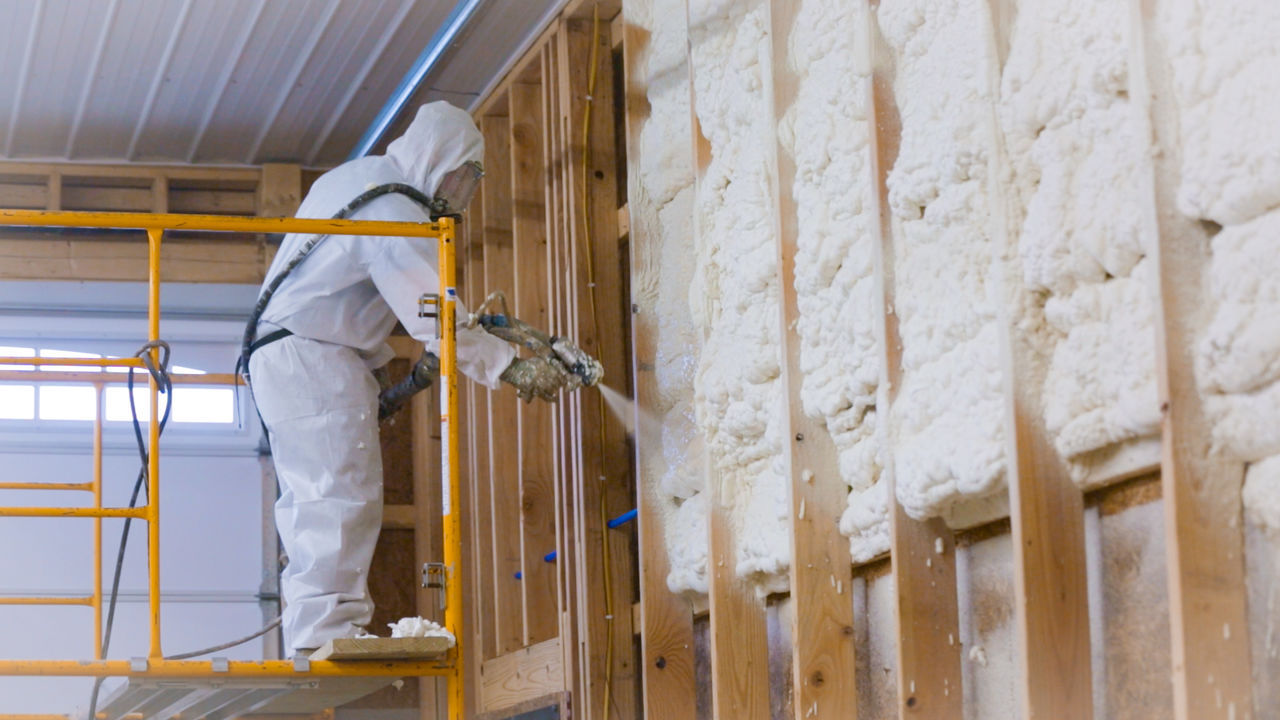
583	370
573	367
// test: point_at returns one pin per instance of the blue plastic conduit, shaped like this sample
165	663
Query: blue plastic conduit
423	66
622	519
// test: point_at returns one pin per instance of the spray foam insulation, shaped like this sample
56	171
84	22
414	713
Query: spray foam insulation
1056	126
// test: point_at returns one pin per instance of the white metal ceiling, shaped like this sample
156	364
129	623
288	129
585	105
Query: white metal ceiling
225	81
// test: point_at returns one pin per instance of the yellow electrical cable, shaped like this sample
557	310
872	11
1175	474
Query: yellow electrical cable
595	322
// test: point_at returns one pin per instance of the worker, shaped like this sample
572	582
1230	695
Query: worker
319	338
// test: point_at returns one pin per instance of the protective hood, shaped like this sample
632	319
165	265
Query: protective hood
441	137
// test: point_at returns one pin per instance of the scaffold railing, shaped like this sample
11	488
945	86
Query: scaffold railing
155	665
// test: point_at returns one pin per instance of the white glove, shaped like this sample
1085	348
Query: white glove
537	376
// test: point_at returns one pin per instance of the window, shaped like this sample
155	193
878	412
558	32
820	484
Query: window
192	404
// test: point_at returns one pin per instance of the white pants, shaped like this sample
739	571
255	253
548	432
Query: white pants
320	405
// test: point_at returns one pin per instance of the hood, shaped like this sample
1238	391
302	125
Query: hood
440	139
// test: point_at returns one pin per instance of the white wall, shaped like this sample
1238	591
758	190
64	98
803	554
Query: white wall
211	560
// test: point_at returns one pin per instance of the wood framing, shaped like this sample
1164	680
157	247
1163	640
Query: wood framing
504	468
1212	667
530	304
822	638
922	553
557	472
1046	508
272	190
665	623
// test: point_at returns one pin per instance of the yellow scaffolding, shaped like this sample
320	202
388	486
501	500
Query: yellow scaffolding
155	665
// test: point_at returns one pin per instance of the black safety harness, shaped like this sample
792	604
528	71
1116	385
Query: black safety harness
251	343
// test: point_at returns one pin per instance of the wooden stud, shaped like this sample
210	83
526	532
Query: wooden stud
1212	666
529	303
160	194
53	197
503	465
922	553
280	190
665	623
483	615
605	484
1046	507
822	641
739	641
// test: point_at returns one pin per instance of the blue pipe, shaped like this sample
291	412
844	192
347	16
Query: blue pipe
622	519
422	67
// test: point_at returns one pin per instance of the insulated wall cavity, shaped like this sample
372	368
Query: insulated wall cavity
1226	78
947	423
1076	166
826	133
734	294
662	204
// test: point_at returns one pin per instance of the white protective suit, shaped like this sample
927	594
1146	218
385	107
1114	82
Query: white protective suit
315	389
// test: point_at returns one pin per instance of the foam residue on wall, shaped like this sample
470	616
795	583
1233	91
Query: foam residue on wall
1076	164
734	295
1227	92
825	131
662	204
947	423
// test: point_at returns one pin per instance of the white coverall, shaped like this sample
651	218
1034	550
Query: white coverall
315	389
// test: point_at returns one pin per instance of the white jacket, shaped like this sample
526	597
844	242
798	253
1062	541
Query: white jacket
352	289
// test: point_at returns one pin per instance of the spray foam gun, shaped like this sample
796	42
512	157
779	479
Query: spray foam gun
573	368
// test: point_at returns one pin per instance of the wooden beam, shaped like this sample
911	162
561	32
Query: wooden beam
1046	507
26	255
503	463
1212	667
481	527
605	572
280	190
926	610
739	640
398	517
665	624
530	304
520	676
567	434
822	638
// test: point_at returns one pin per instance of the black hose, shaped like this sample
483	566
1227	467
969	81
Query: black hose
251	329
165	386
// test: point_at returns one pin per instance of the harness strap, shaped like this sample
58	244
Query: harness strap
269	338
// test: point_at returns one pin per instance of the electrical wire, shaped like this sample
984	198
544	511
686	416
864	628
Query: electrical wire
595	322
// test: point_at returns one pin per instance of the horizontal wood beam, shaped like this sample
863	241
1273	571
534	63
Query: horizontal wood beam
520	676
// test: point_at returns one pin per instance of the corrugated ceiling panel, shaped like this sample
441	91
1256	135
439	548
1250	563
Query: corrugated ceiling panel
408	42
205	54
16	20
137	40
65	43
282	38
466	72
227	81
355	39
